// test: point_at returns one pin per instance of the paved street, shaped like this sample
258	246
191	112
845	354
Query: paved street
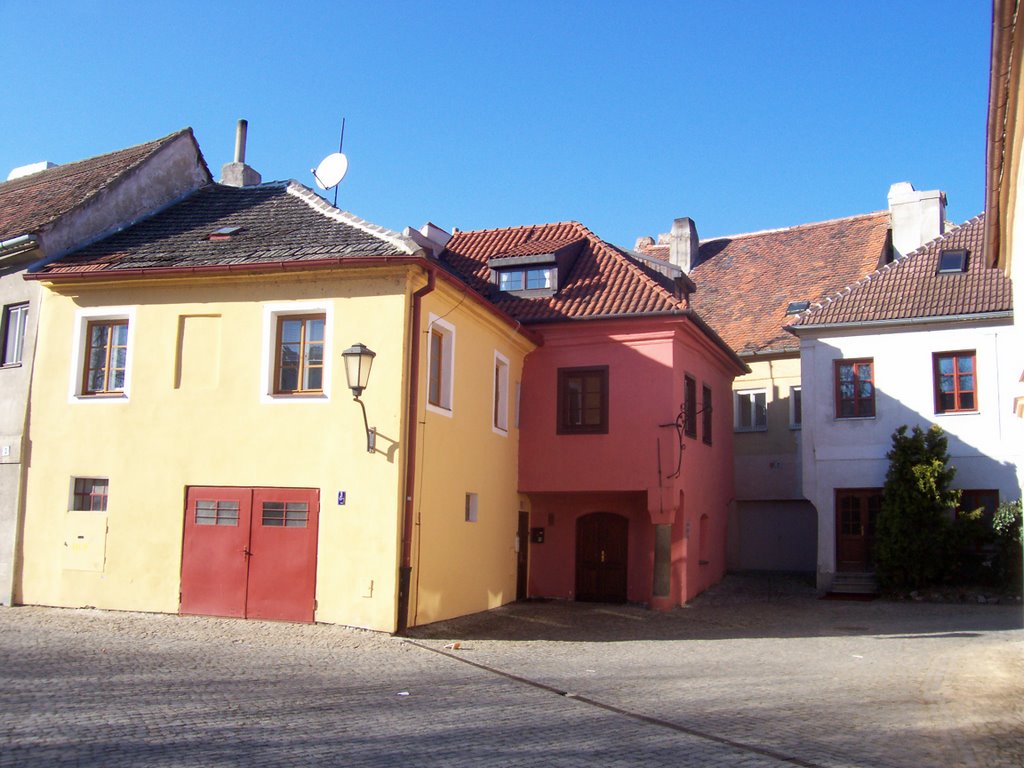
755	673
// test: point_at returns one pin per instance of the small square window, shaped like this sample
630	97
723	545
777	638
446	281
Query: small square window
90	494
583	400
14	321
953	261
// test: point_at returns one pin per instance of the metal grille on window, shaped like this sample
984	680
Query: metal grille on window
209	512
285	514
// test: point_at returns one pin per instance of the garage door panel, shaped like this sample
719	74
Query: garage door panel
216	539
282	570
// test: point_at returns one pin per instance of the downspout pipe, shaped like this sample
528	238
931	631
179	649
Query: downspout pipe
405	564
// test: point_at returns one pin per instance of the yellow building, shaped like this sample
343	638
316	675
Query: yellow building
196	447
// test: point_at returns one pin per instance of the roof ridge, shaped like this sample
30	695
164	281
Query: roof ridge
570	222
318	204
791	228
890	266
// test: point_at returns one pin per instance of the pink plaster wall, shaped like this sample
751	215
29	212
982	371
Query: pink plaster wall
647	361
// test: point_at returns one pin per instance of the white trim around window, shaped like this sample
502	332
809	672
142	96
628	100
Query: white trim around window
796	408
80	345
750	410
268	347
499	423
440	366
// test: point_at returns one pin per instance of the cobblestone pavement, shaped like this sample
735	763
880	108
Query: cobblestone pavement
755	673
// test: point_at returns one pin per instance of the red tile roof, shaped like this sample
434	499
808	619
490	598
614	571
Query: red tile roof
912	287
746	282
29	203
604	281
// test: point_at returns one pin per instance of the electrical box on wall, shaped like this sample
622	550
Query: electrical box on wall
536	535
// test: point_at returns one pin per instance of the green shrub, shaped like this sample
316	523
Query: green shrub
1009	538
914	542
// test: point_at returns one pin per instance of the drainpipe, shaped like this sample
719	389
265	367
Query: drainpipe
405	566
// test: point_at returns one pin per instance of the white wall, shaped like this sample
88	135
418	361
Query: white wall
985	446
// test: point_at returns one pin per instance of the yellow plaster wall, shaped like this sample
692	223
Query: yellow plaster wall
195	417
463	567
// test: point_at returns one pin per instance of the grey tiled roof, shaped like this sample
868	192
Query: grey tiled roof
277	222
912	287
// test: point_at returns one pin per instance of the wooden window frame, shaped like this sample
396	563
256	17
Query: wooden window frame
957	393
302	369
18	315
690	406
106	390
440	384
859	403
84	495
563	426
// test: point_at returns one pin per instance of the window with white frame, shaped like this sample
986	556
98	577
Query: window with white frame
796	417
440	365
102	353
296	356
750	410
13	329
500	422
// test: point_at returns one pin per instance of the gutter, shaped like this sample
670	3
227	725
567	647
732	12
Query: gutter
1005	314
405	564
17	245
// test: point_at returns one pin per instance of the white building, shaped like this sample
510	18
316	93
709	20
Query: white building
923	340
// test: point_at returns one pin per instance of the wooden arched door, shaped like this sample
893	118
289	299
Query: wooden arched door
601	557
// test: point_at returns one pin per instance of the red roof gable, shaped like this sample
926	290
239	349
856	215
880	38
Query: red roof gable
603	281
913	288
745	283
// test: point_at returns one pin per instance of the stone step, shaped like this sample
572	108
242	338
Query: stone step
855	583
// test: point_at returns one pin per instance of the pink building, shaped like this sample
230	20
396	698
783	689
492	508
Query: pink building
624	413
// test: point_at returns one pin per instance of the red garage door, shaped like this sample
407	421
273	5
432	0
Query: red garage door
250	552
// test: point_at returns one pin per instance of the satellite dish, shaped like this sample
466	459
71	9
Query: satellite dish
331	171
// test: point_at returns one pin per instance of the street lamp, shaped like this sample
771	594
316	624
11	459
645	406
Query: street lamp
358	359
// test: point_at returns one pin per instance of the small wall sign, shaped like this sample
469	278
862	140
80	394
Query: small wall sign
341	498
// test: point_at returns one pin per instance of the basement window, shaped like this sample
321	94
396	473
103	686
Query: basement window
953	261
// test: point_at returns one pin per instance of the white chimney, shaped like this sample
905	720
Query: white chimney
915	217
429	236
238	174
28	170
683	245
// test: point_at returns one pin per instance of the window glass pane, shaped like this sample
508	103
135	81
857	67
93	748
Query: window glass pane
760	409
291	331
14	323
510	280
967	401
288	380
945	365
315	330
744	405
539	277
120	334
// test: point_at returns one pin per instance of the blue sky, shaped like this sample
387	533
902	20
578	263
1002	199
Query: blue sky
622	115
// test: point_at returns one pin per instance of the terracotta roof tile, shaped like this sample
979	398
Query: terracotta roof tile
29	203
746	282
603	281
912	287
277	222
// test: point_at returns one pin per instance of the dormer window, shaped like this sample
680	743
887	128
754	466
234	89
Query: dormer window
953	261
527	278
224	233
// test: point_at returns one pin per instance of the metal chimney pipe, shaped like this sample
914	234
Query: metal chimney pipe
243	127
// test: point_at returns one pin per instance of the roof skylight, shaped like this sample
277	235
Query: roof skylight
796	307
953	261
224	233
